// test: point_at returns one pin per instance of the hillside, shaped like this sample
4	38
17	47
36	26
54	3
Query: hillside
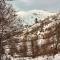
28	17
42	36
40	39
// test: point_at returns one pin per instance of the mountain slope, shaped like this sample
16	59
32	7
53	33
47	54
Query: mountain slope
28	17
42	38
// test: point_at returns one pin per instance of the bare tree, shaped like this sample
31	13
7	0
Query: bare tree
7	15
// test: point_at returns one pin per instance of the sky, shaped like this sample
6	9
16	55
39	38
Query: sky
52	5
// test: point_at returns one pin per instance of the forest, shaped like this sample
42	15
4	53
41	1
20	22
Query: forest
39	39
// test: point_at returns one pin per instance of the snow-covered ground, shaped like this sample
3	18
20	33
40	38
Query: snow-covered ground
56	57
29	16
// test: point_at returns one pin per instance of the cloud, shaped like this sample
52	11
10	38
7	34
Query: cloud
51	1
46	1
40	2
36	4
27	2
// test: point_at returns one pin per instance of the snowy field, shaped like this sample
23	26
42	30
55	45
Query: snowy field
56	57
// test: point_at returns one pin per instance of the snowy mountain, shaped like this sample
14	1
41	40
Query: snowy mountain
28	17
42	39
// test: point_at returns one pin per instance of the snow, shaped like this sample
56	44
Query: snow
29	16
41	42
56	57
51	24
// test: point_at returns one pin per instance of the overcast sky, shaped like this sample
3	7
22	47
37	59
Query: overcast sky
52	5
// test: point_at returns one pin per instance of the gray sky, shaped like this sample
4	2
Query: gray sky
52	5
